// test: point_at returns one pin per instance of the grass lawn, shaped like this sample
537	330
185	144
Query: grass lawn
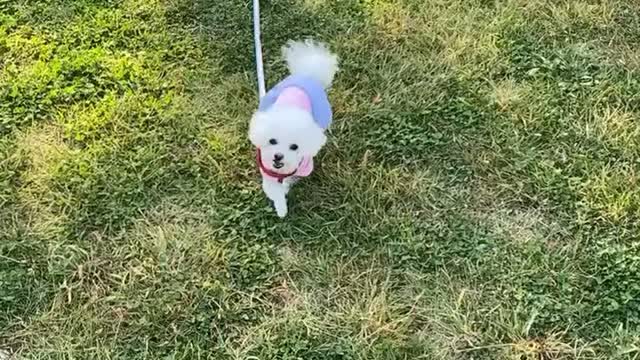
479	197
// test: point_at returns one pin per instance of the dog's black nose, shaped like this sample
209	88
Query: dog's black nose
278	157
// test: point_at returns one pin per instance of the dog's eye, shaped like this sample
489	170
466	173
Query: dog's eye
273	142
293	147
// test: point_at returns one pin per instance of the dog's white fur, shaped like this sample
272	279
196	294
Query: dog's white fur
287	125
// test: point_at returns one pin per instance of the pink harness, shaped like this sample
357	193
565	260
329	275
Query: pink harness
304	169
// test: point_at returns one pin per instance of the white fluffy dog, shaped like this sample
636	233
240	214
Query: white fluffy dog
289	127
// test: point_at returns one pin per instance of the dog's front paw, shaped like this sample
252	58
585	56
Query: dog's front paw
281	210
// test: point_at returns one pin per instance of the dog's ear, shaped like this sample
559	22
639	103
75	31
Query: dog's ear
316	140
257	129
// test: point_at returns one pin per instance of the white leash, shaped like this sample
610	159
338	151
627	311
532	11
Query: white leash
258	47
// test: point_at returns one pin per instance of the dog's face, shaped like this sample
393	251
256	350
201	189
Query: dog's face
285	136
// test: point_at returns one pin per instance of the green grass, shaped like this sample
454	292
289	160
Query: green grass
479	197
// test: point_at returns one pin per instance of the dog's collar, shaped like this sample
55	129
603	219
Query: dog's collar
269	172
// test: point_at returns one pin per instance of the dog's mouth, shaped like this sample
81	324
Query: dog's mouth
278	165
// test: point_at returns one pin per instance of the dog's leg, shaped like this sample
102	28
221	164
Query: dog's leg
277	192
